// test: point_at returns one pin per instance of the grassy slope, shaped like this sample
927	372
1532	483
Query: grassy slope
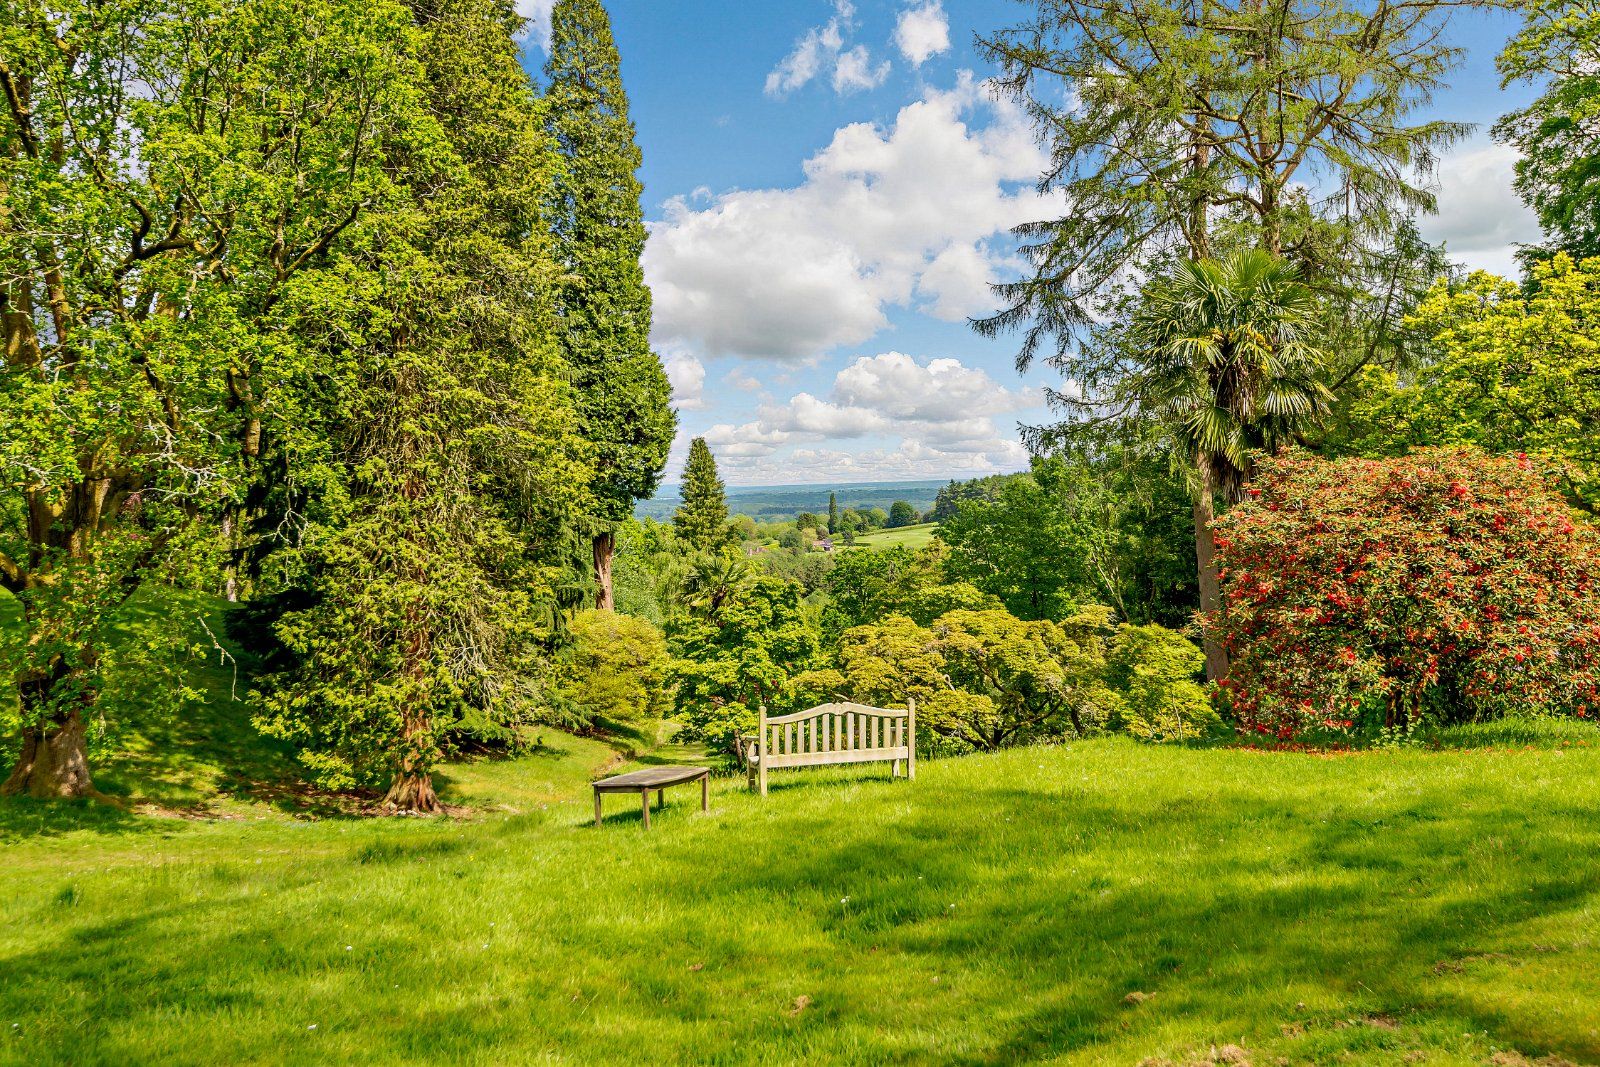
910	536
999	909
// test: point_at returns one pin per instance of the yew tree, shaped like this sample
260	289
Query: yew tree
431	567
1447	582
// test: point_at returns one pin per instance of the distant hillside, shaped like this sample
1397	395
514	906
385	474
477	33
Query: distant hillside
772	503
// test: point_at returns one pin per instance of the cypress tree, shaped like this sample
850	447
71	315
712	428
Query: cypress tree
702	519
833	513
623	396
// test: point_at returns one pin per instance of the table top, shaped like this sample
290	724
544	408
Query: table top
651	778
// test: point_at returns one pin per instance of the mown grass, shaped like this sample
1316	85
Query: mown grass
918	536
1101	902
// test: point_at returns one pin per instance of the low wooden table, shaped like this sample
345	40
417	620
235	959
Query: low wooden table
657	778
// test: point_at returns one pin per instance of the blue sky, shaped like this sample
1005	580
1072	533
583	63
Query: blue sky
828	185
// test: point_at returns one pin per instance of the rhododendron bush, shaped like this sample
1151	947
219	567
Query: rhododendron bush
1447	581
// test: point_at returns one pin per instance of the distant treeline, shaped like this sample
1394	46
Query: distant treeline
776	503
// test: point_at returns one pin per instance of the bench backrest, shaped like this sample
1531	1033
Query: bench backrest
837	733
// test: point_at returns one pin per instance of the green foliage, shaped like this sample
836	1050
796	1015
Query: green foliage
613	670
1229	358
1021	547
1153	670
1132	519
1558	173
866	587
901	514
982	679
1446	581
701	521
624	398
181	181
433	575
1024	680
738	654
952	495
1171	128
810	569
1515	370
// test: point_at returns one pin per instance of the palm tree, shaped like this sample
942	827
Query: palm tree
714	581
1228	357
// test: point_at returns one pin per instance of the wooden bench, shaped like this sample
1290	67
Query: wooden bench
657	778
830	734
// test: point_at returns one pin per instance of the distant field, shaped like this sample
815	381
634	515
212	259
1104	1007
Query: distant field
909	536
775	503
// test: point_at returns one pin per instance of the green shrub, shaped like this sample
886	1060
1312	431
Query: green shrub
741	645
982	679
1152	670
615	669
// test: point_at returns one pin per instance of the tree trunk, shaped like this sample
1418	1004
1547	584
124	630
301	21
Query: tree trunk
1205	550
230	570
412	789
54	762
412	793
605	546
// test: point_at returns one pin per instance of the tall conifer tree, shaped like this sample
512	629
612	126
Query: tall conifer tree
702	519
624	399
451	440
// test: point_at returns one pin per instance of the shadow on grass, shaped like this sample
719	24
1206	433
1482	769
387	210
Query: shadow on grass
1038	909
29	817
181	760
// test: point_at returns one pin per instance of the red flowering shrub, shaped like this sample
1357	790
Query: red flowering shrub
1446	580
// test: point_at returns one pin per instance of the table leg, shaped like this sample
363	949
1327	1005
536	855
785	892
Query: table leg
705	792
597	807
644	795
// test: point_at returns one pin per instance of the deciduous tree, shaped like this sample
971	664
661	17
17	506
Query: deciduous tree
1558	134
1515	369
176	177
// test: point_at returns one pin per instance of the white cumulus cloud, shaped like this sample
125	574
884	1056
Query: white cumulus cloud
933	418
1481	219
688	377
822	49
537	14
922	32
897	216
854	71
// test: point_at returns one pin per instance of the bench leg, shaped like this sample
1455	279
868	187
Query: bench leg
644	795
661	798
705	792
597	807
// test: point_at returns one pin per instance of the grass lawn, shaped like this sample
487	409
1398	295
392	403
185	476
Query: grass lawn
910	536
1102	902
